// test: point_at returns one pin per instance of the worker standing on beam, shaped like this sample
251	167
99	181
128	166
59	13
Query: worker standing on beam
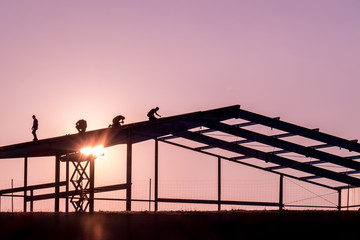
152	112
116	122
35	127
81	125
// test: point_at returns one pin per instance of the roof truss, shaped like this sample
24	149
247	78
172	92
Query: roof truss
312	168
314	156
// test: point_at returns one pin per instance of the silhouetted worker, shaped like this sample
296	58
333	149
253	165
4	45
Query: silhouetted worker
35	127
81	125
152	112
117	121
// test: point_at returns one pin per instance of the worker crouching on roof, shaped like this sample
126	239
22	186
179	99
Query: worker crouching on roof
81	125
117	121
152	112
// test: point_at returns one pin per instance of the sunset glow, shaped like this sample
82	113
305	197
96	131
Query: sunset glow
69	60
96	151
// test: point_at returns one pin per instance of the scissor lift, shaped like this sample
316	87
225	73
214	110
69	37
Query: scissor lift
82	180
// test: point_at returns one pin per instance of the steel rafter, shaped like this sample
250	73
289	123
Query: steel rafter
298	130
287	151
270	158
245	164
181	126
292	147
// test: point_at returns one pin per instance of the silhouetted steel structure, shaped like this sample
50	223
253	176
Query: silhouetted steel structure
199	127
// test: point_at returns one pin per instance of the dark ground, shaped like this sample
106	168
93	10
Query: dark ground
182	225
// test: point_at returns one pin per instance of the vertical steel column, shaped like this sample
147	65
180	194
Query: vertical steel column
348	197
281	192
128	171
339	199
150	195
25	181
219	184
31	200
67	183
156	188
12	195
57	182
92	185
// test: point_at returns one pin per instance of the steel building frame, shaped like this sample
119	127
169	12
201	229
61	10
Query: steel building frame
199	127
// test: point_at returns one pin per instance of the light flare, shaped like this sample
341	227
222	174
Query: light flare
86	151
96	151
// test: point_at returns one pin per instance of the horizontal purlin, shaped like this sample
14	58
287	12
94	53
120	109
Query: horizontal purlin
298	130
269	157
244	163
286	151
292	147
72	192
283	135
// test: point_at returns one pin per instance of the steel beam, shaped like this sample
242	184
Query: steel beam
31	200
339	200
281	192
67	183
246	124
128	170
31	187
287	151
270	158
248	164
298	130
141	131
344	173
201	201
308	162
283	135
219	184
57	181
92	185
156	173
25	181
72	192
292	147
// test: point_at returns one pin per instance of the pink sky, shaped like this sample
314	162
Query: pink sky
66	60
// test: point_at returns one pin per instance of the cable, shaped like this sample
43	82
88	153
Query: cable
320	196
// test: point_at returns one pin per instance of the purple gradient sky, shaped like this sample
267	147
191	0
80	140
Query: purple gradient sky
66	60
